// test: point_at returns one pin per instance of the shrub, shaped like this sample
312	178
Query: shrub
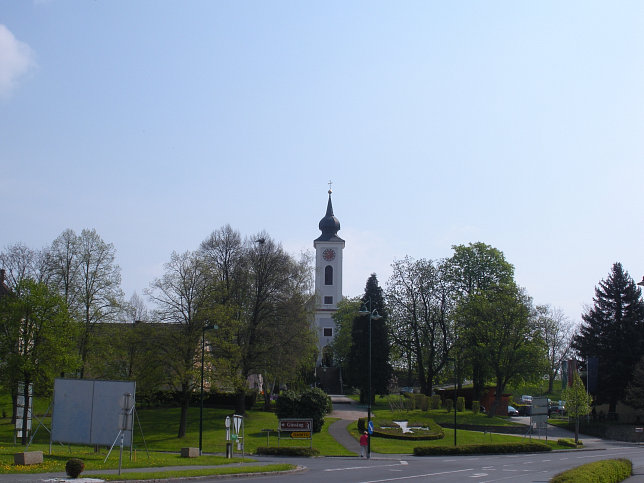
486	448
313	403
569	442
436	401
606	471
286	451
74	467
476	407
449	404
460	404
420	402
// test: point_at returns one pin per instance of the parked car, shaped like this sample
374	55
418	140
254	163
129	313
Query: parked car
406	389
512	411
526	399
557	408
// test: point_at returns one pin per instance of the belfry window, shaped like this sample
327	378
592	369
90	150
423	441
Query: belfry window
328	275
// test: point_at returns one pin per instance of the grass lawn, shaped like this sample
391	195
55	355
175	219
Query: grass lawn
94	461
397	446
160	427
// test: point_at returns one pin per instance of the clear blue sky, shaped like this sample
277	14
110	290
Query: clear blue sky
518	124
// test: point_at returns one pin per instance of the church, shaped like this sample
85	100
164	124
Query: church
328	289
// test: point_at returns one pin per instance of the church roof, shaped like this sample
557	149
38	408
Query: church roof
329	225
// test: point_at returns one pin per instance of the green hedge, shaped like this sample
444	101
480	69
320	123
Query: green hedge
435	431
569	442
605	471
486	448
286	451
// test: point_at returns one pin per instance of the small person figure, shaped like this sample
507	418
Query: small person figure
364	441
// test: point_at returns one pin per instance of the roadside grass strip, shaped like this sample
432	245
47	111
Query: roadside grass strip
164	475
605	471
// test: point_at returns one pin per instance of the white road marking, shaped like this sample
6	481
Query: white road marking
418	476
402	463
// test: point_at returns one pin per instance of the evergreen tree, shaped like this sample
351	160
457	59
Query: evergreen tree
613	331
359	357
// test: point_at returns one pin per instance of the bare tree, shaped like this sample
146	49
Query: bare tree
557	332
420	298
178	295
99	286
21	263
63	267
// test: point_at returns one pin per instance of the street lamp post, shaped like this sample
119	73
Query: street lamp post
203	349
373	315
455	388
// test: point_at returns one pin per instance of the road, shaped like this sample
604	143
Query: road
523	468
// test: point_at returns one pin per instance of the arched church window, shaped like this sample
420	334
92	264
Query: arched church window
328	275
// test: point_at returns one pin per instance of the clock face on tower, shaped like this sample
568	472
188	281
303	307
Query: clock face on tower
328	254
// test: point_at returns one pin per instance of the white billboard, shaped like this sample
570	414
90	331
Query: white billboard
88	411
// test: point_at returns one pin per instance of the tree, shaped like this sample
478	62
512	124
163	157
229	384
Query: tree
635	391
359	358
578	401
99	286
613	331
556	331
420	297
474	268
258	294
343	319
35	331
497	322
178	296
20	263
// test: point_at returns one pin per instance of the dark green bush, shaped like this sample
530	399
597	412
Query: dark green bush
287	451
605	471
569	442
449	405
436	402
486	448
313	403
74	467
420	402
460	404
476	407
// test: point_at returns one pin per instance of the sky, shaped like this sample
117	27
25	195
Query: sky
516	124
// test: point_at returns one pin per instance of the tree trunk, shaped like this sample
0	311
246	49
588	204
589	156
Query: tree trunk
183	418
240	406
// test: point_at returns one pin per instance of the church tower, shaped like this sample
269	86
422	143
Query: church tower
328	280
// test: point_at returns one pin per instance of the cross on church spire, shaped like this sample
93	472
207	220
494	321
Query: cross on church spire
330	183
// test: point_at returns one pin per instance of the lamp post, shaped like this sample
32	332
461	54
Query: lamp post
373	315
455	388
203	349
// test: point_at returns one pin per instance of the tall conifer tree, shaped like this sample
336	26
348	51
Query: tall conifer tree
613	331
359	357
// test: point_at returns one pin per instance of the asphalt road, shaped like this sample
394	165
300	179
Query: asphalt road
522	468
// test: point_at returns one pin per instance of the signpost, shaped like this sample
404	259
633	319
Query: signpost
297	429
539	414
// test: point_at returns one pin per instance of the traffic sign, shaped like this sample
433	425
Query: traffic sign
370	427
301	434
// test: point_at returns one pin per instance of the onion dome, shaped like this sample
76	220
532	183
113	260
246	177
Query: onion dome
329	225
